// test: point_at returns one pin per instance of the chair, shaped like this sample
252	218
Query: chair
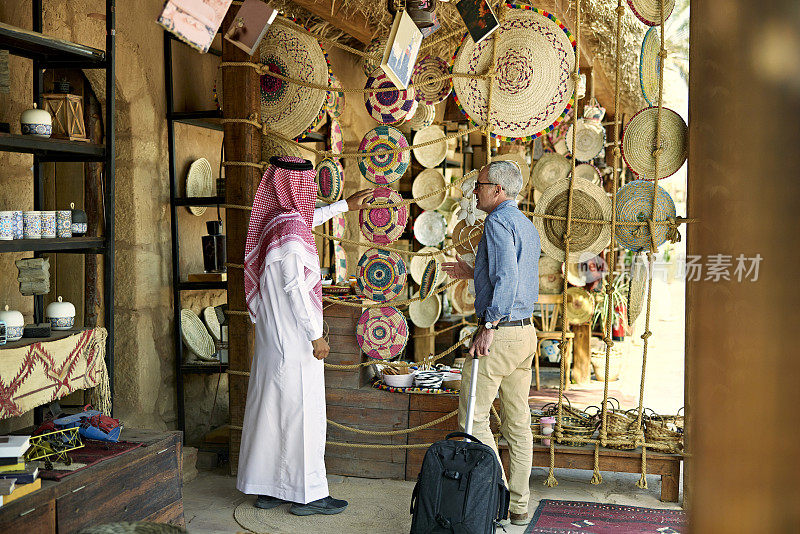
551	308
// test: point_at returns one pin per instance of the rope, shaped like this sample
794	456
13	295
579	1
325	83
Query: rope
443	330
394	432
393	302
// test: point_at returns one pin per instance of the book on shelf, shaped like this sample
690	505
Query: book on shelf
250	25
402	48
21	490
7	486
478	18
195	22
13	447
23	476
12	467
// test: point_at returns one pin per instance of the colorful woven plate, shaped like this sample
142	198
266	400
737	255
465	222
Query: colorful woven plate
374	48
427	182
383	225
648	66
589	201
580	305
549	169
418	264
334	100
387	107
382	332
431	155
337	138
634	203
533	87
590	140
424	313
431	92
381	275
589	172
329	180
287	107
430	228
639	140
423	117
648	11
383	168
429	276
636	287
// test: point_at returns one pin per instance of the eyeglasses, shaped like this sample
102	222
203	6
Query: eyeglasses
483	183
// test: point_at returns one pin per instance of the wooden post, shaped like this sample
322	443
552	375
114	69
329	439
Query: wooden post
242	143
423	346
581	354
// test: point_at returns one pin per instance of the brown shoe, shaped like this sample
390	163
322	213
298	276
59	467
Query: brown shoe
519	519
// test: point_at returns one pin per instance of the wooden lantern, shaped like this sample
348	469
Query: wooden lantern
67	113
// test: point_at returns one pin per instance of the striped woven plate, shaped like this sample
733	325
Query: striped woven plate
384	168
381	275
387	107
382	332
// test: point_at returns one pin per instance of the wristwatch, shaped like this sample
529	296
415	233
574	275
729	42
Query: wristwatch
490	326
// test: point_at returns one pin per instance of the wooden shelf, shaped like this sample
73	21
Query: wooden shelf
52	52
210	119
198	286
204	368
76	245
54	336
198	201
49	149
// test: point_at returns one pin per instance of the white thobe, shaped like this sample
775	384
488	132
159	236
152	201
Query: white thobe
282	453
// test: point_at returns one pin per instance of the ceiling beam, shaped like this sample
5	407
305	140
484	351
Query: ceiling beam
324	9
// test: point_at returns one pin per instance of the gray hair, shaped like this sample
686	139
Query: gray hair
507	175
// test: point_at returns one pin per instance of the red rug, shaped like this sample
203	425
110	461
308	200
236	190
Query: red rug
575	517
92	452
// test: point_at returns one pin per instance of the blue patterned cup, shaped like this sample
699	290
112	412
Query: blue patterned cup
48	225
62	323
32	224
64	223
6	225
18	225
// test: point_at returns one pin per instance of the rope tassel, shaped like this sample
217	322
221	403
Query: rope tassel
597	478
551	481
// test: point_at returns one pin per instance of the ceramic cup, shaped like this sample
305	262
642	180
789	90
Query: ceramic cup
48	225
64	223
18	225
32	224
6	225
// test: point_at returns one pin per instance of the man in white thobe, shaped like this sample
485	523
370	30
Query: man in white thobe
282	454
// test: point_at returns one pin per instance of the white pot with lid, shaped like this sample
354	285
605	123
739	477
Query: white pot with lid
61	314
36	121
15	323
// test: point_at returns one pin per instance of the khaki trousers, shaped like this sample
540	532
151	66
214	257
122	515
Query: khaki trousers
506	369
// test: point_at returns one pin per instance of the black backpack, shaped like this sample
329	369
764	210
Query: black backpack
459	489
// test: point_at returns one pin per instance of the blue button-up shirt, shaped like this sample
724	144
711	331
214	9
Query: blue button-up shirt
507	266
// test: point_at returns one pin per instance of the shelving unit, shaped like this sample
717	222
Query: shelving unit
51	53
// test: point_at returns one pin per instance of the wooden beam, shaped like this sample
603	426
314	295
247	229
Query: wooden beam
324	9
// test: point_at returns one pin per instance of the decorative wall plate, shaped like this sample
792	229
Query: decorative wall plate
337	138
200	183
423	117
426	182
329	180
431	155
195	335
429	276
383	225
382	332
648	11
588	172
430	228
635	203
549	169
212	322
590	140
648	66
639	140
418	264
430	68
387	107
425	313
381	275
334	100
384	169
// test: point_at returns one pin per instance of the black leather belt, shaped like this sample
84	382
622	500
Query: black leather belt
519	322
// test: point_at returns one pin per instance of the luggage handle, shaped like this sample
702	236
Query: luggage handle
462	435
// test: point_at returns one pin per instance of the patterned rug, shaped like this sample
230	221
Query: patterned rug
575	517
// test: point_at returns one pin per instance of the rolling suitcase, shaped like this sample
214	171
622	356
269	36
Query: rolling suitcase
460	488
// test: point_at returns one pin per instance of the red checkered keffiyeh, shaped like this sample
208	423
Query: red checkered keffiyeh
280	225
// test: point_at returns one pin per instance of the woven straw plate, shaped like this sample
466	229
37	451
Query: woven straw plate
551	281
334	100
195	335
589	201
636	287
383	225
427	182
549	169
272	146
418	264
460	297
590	140
381	275
382	332
337	138
639	138
199	183
634	203
648	11
429	276
588	172
431	155
412	111
429	68
386	168
648	66
374	48
470	235
423	117
329	180
286	107
387	107
533	87
340	256
580	305
466	333
424	313
212	322
430	228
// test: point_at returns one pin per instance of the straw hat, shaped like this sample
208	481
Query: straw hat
337	138
649	11
429	276
551	281
580	305
272	146
639	138
334	100
588	172
471	233
634	203
460	297
429	228
533	87
425	313
636	287
418	264
329	180
295	55
374	48
383	225
426	182
381	275
428	68
423	117
431	155
588	202
648	66
385	168
550	168
590	139
382	332
387	107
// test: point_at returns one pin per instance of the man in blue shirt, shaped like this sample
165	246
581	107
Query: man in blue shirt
506	289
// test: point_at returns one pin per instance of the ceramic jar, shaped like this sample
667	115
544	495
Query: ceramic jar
15	323
61	315
80	223
548	423
32	224
48	225
36	121
64	223
6	225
